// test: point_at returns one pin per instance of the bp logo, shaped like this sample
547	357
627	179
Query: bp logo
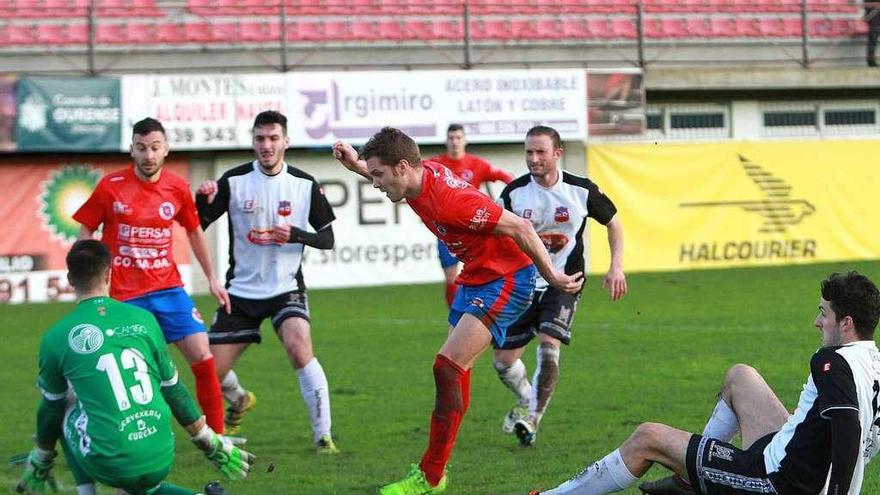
62	194
85	338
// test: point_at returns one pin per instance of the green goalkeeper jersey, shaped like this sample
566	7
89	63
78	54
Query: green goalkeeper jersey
112	356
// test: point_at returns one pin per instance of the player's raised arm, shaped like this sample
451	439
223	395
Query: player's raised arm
524	235
348	157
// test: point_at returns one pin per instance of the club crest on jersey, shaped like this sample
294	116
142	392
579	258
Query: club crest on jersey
453	181
284	208
248	206
467	175
561	214
480	218
166	210
121	208
85	338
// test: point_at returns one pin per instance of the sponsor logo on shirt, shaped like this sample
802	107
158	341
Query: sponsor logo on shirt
85	338
166	210
561	214
127	330
480	218
134	232
826	367
121	208
527	213
284	208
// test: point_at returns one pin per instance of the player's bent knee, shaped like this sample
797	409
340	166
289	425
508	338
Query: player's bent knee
649	435
739	373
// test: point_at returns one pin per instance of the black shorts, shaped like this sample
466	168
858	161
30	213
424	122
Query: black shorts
243	325
718	468
551	313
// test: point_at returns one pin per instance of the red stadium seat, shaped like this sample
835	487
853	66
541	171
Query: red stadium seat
392	30
169	33
197	32
448	30
575	29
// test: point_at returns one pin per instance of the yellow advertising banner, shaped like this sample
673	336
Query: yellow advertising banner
714	205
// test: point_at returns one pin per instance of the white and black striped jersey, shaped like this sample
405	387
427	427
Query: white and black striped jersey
256	202
559	215
798	458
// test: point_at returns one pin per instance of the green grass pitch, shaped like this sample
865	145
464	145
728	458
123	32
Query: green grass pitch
658	355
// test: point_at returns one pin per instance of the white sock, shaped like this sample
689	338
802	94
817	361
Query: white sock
608	475
547	363
316	394
514	378
87	489
232	390
723	423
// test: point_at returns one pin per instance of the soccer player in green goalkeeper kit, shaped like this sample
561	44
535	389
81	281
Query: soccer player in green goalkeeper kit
109	390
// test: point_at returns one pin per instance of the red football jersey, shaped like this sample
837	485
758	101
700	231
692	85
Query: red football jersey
464	218
473	169
138	218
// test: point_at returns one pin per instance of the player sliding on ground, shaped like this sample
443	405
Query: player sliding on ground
832	434
497	249
109	390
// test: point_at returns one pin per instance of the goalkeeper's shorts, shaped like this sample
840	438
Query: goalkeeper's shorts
141	484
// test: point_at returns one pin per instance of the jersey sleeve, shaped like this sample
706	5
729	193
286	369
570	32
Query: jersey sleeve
188	216
473	210
209	212
320	211
51	379
599	206
834	382
91	213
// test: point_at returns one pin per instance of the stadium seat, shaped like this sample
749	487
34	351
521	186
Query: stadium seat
575	29
548	29
624	27
170	33
392	30
448	30
599	29
110	34
197	32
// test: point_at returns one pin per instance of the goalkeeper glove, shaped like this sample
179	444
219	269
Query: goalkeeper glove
232	461
37	475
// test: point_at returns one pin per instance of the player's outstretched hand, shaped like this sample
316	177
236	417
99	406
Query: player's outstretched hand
37	478
569	284
615	281
209	189
233	461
